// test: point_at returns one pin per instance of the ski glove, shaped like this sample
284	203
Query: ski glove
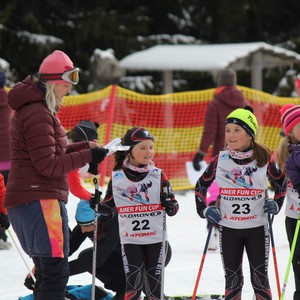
196	160
212	214
171	207
95	200
98	154
4	221
93	168
29	282
271	207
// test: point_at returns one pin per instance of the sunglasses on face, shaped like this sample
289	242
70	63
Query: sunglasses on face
71	76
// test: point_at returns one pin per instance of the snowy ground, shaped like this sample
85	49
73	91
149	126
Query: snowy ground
187	235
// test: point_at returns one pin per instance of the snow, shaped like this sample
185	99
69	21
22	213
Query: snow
42	39
202	57
187	235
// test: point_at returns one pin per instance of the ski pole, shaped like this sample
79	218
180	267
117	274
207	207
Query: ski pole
18	249
202	260
163	258
97	196
286	277
274	256
163	255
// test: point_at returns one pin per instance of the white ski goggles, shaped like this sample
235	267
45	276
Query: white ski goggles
71	76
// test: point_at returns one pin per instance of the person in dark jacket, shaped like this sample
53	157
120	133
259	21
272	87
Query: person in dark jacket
226	99
109	265
37	188
5	117
4	222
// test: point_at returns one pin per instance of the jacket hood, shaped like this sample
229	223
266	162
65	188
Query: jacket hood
25	92
230	96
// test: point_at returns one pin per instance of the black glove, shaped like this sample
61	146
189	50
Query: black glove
29	283
4	221
212	214
98	154
95	199
171	207
93	168
196	160
271	207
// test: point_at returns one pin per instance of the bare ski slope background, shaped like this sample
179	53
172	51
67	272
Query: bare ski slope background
187	234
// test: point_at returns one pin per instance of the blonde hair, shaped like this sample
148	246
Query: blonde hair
282	152
50	98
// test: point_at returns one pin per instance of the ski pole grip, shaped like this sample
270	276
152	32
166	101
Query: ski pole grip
95	200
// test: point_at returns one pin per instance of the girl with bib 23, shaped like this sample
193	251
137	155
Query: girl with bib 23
241	171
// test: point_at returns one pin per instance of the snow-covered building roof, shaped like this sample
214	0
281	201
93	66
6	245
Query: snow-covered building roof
211	58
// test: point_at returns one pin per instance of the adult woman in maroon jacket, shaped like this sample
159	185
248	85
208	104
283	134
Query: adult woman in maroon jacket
37	188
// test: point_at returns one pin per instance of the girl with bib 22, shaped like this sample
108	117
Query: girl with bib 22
141	192
241	172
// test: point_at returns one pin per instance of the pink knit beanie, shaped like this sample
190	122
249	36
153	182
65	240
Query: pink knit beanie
56	63
290	116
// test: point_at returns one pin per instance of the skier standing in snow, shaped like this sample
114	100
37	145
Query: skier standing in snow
226	98
4	221
5	117
6	114
290	118
37	188
243	208
141	221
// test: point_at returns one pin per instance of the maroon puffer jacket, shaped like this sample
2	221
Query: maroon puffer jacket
226	99
39	154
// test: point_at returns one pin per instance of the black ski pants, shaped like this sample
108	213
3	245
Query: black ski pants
143	269
52	275
255	241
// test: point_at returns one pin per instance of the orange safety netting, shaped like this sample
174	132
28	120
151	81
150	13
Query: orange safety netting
175	120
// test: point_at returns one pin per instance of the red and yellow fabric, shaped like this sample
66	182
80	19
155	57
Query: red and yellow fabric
175	120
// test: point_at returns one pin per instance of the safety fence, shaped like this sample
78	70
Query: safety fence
175	120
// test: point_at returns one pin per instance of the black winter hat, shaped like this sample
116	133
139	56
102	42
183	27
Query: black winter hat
87	129
136	135
226	77
2	79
